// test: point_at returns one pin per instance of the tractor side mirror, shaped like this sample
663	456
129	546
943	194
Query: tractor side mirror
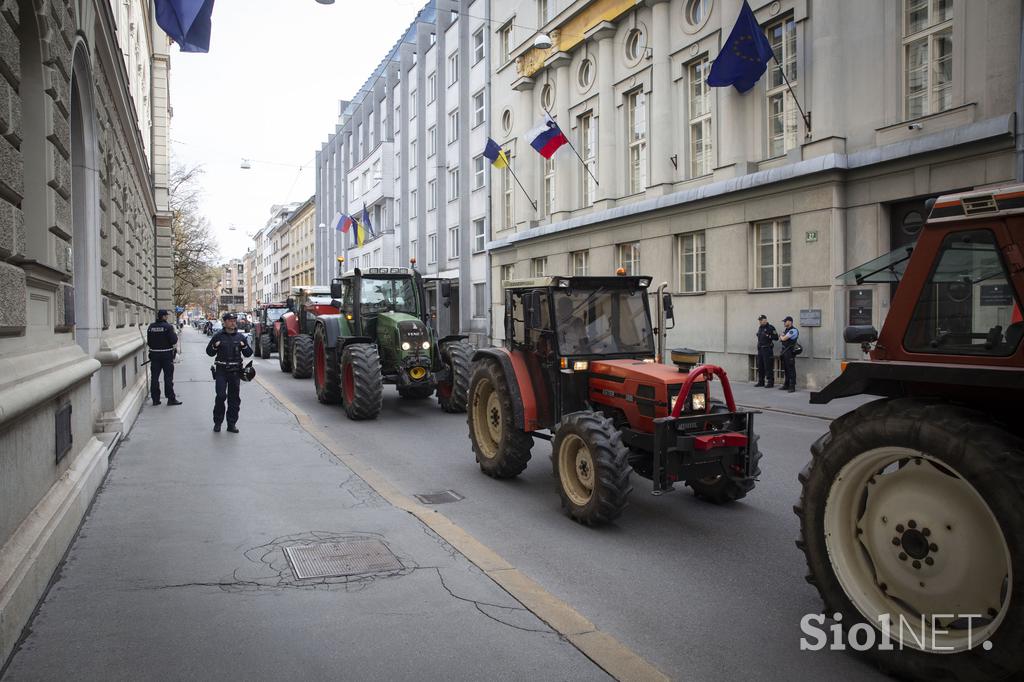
446	289
860	333
290	303
531	310
337	291
666	304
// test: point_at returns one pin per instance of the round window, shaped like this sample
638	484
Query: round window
634	45
912	223
696	13
586	74
547	97
506	120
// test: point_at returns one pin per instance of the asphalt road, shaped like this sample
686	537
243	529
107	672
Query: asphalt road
702	592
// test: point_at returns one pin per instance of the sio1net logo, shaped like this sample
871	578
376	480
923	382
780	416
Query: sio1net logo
930	633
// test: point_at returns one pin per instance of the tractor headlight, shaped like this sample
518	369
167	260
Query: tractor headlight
580	365
406	345
426	345
697	402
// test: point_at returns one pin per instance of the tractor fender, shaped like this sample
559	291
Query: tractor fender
290	324
450	338
332	333
520	388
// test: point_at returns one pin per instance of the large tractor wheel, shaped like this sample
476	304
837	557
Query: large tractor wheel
265	344
416	392
910	513
302	356
284	352
453	395
326	370
362	387
591	468
501	449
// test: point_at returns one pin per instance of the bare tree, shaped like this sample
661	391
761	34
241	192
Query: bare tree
193	245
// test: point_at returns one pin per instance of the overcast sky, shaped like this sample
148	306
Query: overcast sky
268	90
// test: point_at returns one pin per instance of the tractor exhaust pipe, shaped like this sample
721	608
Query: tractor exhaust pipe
660	302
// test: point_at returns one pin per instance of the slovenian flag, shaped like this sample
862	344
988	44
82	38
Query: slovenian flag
495	154
547	137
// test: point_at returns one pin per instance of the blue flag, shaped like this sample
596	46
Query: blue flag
744	56
367	223
187	22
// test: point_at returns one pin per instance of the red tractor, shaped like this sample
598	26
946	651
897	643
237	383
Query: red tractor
578	368
910	516
295	337
266	322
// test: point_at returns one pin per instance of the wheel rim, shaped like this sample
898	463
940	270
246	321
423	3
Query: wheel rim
349	383
576	469
487	422
319	363
910	537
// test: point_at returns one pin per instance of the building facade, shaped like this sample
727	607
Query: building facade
302	230
84	263
268	250
407	152
737	201
231	287
249	264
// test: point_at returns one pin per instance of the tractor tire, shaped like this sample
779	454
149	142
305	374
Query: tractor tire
416	392
265	344
326	370
284	352
453	396
362	386
591	468
302	356
501	449
907	492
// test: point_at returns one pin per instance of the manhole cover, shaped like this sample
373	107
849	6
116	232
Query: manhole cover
439	498
337	559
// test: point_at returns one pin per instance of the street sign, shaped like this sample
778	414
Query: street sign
996	295
810	317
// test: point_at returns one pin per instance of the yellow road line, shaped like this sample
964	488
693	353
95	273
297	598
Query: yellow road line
611	655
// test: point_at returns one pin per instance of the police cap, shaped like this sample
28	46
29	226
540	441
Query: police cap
229	316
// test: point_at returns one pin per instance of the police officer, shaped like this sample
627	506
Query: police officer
766	338
161	339
790	334
227	348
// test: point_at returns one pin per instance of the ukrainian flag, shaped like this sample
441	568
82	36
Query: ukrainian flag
495	154
360	232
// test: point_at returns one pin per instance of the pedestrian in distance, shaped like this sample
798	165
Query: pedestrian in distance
766	336
227	348
790	349
161	340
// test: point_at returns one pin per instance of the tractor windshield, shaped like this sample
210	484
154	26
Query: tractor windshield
603	321
274	314
396	294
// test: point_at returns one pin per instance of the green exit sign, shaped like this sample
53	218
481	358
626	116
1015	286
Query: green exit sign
811	236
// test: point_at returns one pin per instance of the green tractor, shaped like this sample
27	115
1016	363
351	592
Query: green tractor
381	336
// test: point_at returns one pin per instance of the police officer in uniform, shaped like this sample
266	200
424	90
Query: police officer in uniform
161	339
789	338
766	338
227	348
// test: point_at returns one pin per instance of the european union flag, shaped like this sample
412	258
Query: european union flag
744	56
187	22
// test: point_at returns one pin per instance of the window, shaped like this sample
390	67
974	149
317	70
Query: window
505	43
412	104
412	203
353	189
627	257
772	251
781	107
547	97
478	46
692	263
507	200
453	184
927	56
508	272
371	131
479	300
412	250
431	141
579	261
453	68
506	120
432	248
431	87
634	45
539	267
585	76
478	108
699	112
376	175
479	235
547	197
453	242
359	140
431	195
479	172
398	213
398	117
697	12
636	117
412	154
545	11
453	125
588	150
968	302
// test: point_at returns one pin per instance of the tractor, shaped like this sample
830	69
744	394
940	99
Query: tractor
579	362
265	327
295	334
910	512
380	335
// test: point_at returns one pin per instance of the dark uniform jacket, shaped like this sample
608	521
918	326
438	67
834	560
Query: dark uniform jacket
766	336
228	356
161	337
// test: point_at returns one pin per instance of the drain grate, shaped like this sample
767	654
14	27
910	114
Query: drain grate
339	559
439	498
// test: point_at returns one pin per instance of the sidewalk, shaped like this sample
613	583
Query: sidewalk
180	570
798	402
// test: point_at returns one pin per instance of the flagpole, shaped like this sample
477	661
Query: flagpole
508	164
804	116
569	142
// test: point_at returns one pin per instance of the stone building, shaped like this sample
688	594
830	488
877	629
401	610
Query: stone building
84	261
732	198
249	264
407	149
231	286
302	230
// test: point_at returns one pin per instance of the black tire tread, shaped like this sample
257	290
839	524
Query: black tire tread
330	392
368	383
611	459
265	343
284	352
459	357
515	447
302	356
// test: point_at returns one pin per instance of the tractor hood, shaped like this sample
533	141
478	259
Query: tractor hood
402	328
638	370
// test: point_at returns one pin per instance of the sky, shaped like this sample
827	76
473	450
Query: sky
268	91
